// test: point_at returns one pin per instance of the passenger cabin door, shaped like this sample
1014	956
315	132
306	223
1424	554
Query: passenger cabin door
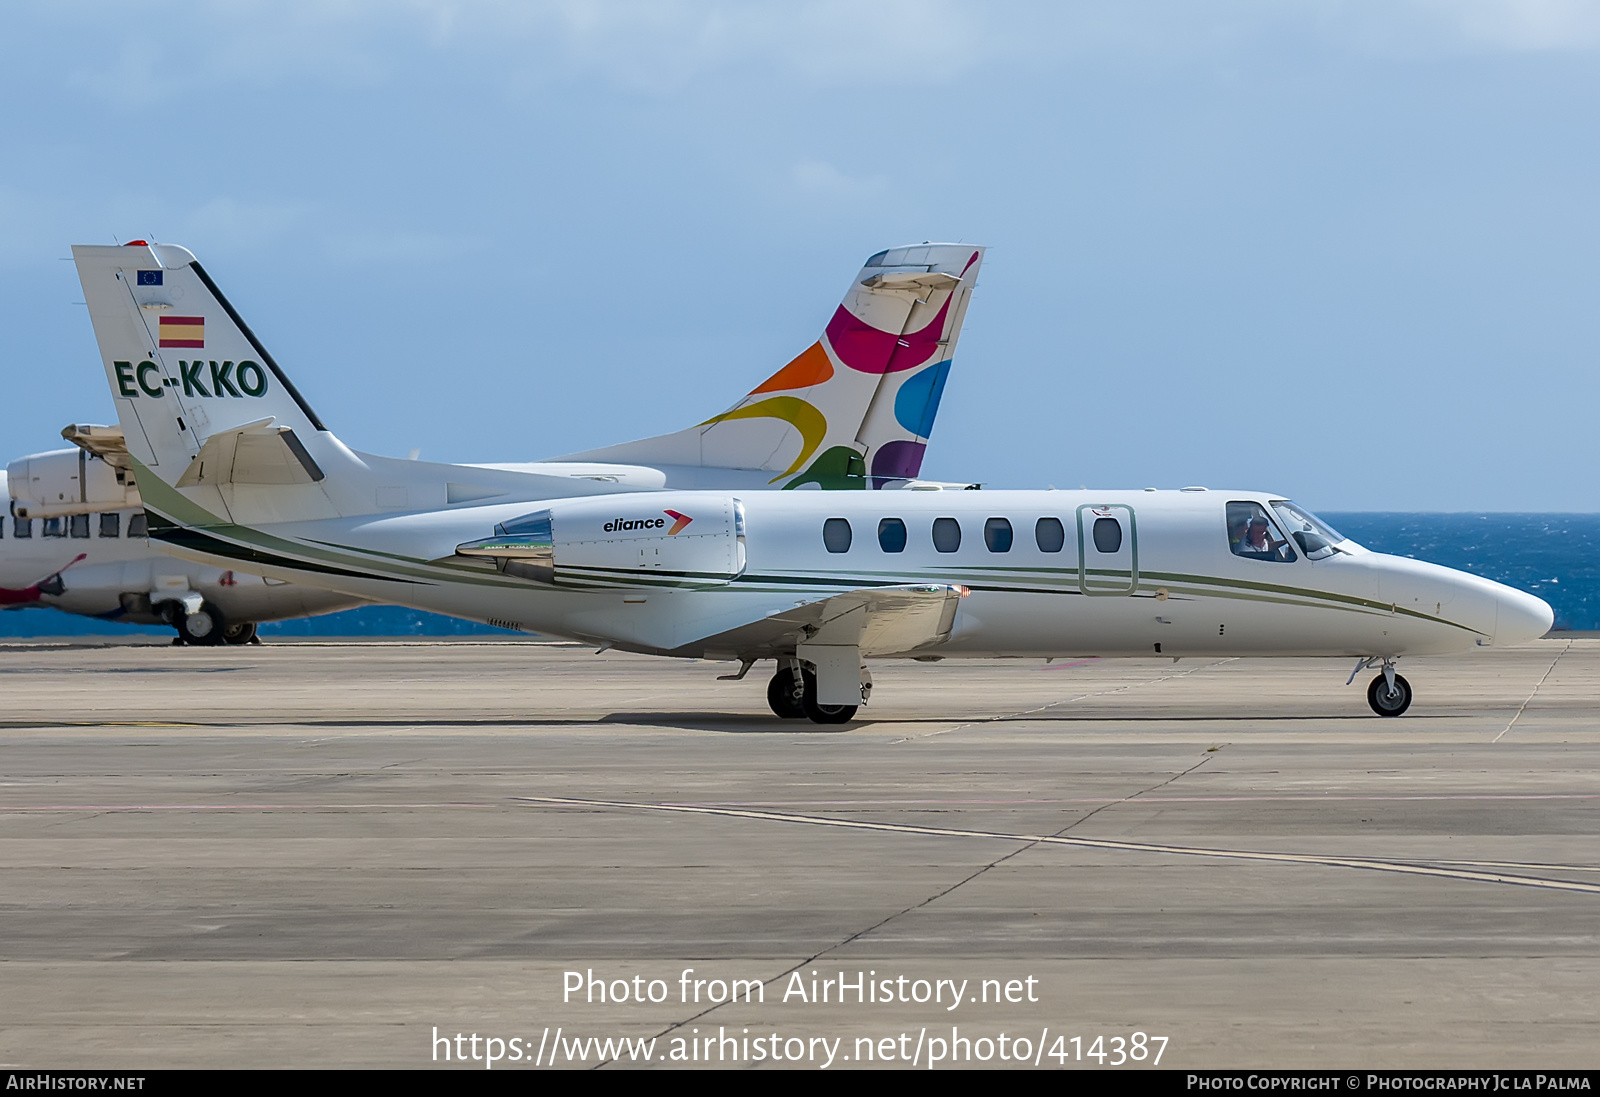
1108	549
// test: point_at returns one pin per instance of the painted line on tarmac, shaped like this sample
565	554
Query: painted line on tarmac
1368	864
1535	692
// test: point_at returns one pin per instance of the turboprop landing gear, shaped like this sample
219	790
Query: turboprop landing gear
785	694
203	627
242	633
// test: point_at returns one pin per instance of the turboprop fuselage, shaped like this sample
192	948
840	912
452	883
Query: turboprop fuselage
1028	573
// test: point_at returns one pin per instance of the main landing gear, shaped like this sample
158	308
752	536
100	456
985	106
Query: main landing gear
206	627
792	693
1389	694
242	633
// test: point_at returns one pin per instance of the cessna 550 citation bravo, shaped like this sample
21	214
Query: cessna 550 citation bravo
240	473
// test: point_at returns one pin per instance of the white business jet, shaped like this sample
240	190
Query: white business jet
76	540
251	479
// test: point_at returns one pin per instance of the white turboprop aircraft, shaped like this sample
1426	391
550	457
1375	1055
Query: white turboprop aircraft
77	536
816	581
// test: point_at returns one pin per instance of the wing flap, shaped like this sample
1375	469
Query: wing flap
878	620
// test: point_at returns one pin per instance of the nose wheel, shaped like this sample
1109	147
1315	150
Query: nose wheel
1389	698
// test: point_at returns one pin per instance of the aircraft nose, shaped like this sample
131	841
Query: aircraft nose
1521	617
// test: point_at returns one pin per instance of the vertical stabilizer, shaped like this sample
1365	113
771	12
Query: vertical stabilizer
201	402
855	408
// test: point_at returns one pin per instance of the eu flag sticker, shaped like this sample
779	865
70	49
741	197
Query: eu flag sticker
149	278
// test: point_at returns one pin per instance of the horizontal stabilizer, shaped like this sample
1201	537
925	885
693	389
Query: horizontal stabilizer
257	453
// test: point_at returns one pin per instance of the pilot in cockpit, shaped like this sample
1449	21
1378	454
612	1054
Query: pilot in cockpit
1251	534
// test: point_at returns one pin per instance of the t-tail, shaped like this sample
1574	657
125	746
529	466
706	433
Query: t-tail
218	435
855	409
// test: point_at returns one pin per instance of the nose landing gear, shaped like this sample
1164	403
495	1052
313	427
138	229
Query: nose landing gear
1388	694
1386	698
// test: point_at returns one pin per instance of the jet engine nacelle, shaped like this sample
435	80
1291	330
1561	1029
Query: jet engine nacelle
67	481
650	539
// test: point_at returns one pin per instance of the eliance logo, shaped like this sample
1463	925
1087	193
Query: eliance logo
622	525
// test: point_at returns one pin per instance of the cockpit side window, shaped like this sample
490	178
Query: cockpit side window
1253	534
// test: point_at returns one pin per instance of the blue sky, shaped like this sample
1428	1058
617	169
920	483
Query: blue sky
1341	250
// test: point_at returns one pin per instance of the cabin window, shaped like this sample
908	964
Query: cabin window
1049	534
1253	534
138	526
22	527
80	525
946	534
892	535
55	527
836	535
997	535
111	525
1107	534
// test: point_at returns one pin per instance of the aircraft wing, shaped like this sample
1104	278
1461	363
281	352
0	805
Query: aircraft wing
878	620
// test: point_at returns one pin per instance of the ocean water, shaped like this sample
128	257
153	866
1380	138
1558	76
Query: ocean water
1556	556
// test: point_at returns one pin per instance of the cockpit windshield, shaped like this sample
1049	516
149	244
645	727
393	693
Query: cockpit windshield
1316	538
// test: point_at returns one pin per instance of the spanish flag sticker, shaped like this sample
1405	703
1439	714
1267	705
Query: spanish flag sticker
183	331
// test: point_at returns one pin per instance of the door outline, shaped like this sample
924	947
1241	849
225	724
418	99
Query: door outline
1106	511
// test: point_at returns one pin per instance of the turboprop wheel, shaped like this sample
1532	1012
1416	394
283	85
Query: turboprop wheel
823	714
204	626
242	633
781	698
1385	703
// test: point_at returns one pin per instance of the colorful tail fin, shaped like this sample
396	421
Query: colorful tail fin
855	408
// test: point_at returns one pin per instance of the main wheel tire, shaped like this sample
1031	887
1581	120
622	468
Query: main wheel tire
1385	703
204	626
781	698
242	633
824	714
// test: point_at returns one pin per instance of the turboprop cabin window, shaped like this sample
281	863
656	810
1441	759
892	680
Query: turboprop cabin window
80	525
946	534
55	527
111	525
1253	534
1049	534
836	535
892	535
1107	534
138	526
997	535
22	527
